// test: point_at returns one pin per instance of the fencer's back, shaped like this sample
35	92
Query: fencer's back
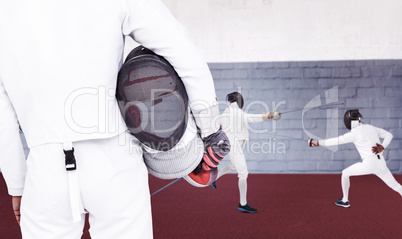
59	79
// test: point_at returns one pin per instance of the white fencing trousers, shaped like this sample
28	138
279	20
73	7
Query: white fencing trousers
237	159
113	184
238	162
371	165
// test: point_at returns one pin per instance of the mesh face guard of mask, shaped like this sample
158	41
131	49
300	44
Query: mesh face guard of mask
154	104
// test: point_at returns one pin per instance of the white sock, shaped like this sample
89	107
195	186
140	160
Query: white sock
345	188
243	191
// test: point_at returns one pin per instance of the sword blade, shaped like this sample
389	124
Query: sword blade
309	108
166	186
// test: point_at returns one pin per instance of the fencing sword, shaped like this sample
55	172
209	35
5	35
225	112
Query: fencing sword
278	115
309	108
167	185
284	136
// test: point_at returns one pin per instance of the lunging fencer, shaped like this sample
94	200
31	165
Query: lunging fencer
366	138
235	123
59	63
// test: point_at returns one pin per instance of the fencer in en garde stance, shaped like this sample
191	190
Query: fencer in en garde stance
366	138
234	123
59	63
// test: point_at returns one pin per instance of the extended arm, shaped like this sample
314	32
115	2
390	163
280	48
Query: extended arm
254	118
343	139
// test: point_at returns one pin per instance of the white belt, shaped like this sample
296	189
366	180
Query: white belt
75	197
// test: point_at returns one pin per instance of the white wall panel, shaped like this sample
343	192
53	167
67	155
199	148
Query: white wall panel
292	30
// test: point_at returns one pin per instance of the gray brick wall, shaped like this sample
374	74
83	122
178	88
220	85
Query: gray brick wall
372	86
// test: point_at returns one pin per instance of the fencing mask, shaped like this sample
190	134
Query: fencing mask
154	104
236	97
352	119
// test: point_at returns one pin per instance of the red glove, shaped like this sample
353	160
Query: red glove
217	146
313	143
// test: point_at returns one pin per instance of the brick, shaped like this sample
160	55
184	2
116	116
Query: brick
387	62
224	84
274	166
359	103
386	123
331	82
303	64
396	70
391	82
317	72
304	83
347	92
360	63
330	166
375	114
388	102
245	65
263	73
393	91
370	92
359	82
397	133
234	74
300	166
334	64
216	74
265	65
379	71
290	73
219	66
343	72
272	84
281	65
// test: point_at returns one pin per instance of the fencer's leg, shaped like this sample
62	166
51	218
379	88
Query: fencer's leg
115	191
45	207
225	170
243	191
361	168
345	182
239	161
387	177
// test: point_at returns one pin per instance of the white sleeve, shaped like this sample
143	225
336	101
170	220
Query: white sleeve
152	25
253	118
387	136
343	139
12	157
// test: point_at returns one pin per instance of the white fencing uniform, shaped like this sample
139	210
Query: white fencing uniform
234	123
364	137
58	68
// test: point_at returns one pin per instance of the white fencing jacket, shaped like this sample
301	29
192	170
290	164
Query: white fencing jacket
235	122
364	137
59	62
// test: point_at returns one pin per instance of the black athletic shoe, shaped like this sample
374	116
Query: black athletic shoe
342	203
246	208
214	185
